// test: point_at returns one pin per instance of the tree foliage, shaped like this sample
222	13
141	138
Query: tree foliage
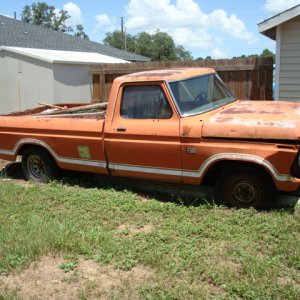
158	46
265	53
80	32
48	16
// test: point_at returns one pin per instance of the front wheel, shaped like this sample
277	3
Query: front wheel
244	188
38	165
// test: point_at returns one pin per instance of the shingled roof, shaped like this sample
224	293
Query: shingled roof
15	33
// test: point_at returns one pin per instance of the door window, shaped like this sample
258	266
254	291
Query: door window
145	102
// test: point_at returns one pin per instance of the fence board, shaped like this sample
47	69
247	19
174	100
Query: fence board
248	78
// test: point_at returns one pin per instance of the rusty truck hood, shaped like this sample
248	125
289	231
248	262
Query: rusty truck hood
255	120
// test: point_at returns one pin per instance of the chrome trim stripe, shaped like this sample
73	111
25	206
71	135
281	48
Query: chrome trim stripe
239	157
93	163
200	172
174	172
143	169
6	152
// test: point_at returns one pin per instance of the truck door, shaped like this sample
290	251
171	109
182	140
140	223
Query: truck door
143	138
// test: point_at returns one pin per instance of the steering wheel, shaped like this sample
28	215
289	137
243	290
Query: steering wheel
201	98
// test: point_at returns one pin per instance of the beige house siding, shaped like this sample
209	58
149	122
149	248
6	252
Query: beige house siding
289	76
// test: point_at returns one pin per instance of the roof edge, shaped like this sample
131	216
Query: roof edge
278	19
40	57
17	51
62	41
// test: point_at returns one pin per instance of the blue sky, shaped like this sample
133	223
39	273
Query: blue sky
220	29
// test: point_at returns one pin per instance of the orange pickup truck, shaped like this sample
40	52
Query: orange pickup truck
178	126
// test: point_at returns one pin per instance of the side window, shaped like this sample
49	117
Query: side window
145	102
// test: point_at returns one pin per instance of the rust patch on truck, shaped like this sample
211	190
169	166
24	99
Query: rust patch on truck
154	74
251	123
261	108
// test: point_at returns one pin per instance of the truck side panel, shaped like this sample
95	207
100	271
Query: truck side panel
142	145
199	154
74	144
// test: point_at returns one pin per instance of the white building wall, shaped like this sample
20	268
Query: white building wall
72	83
289	75
9	88
25	82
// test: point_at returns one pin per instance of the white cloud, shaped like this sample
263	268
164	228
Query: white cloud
186	23
105	24
217	53
75	14
231	25
193	38
276	6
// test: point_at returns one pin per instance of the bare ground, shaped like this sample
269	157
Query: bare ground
46	280
3	163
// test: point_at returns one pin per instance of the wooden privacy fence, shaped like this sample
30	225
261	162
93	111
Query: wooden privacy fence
247	78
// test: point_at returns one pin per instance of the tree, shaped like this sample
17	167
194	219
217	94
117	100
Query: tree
144	44
114	39
119	40
183	54
80	32
45	15
158	46
267	52
163	47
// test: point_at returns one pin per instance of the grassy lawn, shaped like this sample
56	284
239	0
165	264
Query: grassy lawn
160	249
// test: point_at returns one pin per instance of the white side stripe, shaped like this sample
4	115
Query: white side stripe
152	170
6	152
83	162
131	168
200	172
239	157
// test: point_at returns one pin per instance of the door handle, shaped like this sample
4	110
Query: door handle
121	129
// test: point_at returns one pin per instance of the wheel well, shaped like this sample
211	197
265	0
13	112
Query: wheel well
33	146
216	169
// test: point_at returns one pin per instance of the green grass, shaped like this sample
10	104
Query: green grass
203	252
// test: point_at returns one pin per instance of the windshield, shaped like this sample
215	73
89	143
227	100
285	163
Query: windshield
195	95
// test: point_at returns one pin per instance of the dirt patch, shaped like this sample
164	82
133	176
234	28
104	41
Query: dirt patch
211	289
285	280
46	280
131	229
3	163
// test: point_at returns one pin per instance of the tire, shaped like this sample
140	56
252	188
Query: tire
244	188
38	165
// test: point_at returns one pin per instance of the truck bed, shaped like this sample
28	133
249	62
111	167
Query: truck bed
73	135
65	110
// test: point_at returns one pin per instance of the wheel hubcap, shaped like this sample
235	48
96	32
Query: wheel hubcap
244	192
36	166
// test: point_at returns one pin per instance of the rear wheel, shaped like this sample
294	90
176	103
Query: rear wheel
38	165
245	187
